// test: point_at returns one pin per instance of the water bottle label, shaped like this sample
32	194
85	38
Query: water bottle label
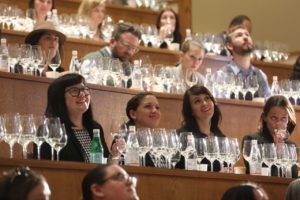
132	158
191	164
96	158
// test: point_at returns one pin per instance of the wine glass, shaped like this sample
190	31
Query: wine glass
269	155
234	152
126	73
247	150
27	133
119	133
173	151
212	150
62	140
53	59
14	56
145	142
223	150
159	146
282	157
190	77
201	148
253	84
42	132
25	57
55	130
37	58
12	130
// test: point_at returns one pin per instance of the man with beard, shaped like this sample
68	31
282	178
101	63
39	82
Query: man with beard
123	45
239	44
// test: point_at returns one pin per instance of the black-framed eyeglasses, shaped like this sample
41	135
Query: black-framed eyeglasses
121	177
129	46
75	91
20	172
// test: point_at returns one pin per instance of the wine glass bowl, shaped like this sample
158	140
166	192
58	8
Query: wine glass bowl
53	59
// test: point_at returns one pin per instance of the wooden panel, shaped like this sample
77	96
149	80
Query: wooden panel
64	179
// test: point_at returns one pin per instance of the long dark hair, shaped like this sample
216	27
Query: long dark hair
283	102
177	34
189	121
133	104
56	106
245	192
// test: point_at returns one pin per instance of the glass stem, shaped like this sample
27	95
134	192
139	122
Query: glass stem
24	151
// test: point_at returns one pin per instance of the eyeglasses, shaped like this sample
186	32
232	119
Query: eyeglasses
121	177
20	172
130	47
75	92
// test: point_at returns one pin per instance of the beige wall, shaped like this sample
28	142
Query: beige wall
273	20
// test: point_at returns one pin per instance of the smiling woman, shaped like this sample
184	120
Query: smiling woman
41	8
69	99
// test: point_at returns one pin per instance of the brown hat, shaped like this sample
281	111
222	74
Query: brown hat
41	27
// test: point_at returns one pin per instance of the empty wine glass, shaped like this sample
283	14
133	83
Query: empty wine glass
173	151
269	155
253	84
42	133
27	133
247	150
12	130
55	130
61	141
223	150
145	142
159	145
282	157
53	59
37	58
25	58
212	150
234	152
201	148
14	56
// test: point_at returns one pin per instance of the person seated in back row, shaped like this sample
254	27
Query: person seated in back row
240	45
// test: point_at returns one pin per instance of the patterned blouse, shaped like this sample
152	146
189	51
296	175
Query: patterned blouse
84	139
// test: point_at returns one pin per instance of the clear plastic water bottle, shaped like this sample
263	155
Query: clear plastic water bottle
4	55
136	76
132	153
74	63
255	161
54	18
275	88
188	34
208	83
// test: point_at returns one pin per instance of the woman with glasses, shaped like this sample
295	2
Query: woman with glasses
69	99
278	121
109	182
201	116
23	183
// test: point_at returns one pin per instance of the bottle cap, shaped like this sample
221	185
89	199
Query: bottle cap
188	31
136	63
275	78
208	70
131	128
253	142
96	132
54	11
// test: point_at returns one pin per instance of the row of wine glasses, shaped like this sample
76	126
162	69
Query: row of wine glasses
26	129
27	58
281	155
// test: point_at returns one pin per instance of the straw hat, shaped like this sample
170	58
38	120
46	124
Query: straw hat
45	26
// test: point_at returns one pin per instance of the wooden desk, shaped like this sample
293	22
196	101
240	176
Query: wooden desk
65	179
28	94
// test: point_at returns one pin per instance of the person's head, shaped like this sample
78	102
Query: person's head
41	7
23	184
143	110
238	41
293	191
47	36
241	20
94	10
277	113
68	96
199	104
168	16
108	182
125	41
247	191
192	55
